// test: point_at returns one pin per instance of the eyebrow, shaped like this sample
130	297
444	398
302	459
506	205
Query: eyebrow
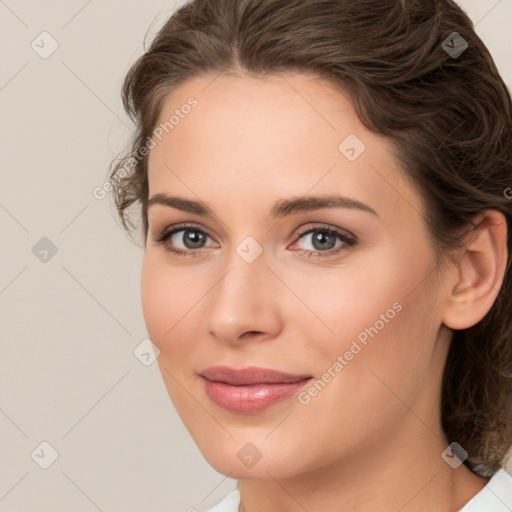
280	208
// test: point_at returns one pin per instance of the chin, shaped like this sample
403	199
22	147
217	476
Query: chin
243	460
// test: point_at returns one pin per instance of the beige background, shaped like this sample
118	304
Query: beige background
69	326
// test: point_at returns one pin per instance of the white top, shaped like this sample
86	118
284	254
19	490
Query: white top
496	496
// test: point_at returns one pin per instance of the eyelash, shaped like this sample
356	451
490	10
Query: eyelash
162	237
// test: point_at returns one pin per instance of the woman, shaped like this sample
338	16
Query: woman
324	191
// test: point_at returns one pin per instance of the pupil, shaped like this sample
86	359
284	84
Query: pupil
320	239
194	238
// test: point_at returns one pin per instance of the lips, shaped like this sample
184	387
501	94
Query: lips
249	376
250	390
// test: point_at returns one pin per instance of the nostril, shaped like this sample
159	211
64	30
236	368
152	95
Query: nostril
251	333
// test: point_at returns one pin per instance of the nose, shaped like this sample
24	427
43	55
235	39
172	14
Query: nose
245	303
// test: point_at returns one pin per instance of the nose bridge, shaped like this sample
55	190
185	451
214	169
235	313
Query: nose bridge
246	270
241	300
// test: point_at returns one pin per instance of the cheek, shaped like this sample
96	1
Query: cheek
153	299
167	302
388	354
173	300
166	296
380	320
359	301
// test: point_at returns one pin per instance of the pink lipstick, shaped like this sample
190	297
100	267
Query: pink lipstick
251	389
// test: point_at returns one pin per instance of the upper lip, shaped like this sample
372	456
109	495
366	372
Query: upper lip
250	375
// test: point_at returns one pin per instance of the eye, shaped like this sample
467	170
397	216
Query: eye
183	240
186	240
325	241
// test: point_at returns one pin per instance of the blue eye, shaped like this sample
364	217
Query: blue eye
324	241
327	241
192	239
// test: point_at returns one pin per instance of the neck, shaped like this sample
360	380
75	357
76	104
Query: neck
404	473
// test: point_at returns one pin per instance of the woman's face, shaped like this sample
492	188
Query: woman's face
354	314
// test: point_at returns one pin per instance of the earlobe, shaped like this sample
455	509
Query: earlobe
481	270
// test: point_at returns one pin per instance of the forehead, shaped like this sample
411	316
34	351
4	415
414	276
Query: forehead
282	133
237	106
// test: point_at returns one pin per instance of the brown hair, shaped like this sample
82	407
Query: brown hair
448	118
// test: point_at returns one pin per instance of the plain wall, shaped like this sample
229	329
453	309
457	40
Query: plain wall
69	324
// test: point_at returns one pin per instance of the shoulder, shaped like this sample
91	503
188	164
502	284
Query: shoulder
496	496
228	504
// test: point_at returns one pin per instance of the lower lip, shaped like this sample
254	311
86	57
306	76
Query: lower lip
250	398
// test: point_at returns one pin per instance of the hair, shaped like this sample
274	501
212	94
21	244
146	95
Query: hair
448	120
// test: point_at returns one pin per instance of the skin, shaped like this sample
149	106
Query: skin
372	438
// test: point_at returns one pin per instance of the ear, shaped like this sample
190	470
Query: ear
479	274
